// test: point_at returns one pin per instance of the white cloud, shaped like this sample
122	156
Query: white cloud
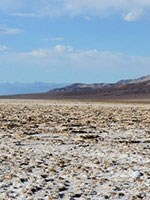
63	49
61	55
4	48
54	39
87	18
88	65
23	14
131	10
4	30
55	51
134	15
9	5
39	53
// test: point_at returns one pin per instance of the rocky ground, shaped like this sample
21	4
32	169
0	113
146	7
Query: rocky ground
87	151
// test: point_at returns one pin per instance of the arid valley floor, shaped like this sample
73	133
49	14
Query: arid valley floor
53	150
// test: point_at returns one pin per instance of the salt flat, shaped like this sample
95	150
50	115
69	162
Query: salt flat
74	150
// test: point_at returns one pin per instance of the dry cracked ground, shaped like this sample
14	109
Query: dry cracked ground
74	150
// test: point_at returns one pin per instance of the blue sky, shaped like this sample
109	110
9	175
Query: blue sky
73	40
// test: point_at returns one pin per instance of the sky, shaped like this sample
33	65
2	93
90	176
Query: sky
67	41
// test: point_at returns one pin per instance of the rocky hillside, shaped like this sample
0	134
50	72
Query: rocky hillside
124	89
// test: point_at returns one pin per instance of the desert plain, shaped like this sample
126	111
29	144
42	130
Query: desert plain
74	150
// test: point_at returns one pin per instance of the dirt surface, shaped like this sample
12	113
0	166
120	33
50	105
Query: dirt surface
74	150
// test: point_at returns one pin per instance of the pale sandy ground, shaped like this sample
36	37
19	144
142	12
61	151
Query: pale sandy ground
73	150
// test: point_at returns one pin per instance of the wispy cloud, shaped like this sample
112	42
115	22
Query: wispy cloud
52	53
134	15
4	30
10	5
54	39
66	58
23	14
131	10
38	53
4	48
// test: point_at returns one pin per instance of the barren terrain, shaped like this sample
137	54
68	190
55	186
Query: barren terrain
53	150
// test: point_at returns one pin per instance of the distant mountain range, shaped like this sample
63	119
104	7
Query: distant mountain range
132	88
25	88
124	89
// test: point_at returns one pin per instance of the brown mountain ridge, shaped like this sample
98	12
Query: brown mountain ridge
124	89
